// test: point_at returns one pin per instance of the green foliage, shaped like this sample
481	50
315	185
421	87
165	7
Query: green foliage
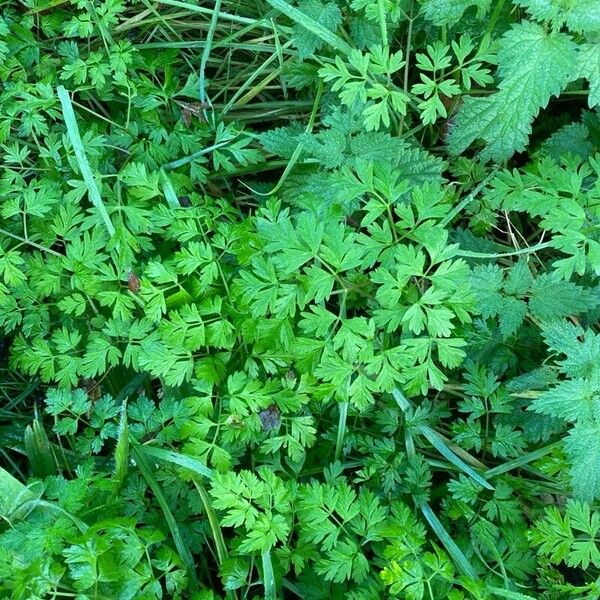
273	325
447	12
529	58
569	538
578	16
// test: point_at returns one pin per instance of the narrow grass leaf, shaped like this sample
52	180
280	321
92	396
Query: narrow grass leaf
509	594
25	508
268	576
169	190
522	460
82	161
176	458
213	521
39	451
206	52
182	548
466	201
122	449
528	250
313	26
341	431
210	11
436	441
455	552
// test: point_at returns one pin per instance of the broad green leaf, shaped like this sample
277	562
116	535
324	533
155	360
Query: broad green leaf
533	66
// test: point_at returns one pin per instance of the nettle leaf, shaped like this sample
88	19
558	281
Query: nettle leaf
281	141
571	139
448	12
534	66
588	61
327	14
579	15
572	400
552	298
583	450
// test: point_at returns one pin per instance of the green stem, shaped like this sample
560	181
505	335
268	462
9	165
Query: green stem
341	432
30	243
494	18
529	250
206	51
213	522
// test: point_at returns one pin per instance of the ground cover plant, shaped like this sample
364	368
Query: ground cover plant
300	300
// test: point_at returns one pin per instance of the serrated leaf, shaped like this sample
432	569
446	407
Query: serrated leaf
534	66
583	450
588	64
552	298
448	12
579	15
328	15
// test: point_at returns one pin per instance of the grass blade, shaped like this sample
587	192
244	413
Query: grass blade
210	11
313	26
510	595
466	201
455	552
122	449
182	549
300	147
12	493
400	400
176	458
341	432
24	509
268	576
169	191
528	250
82	161
213	521
39	451
522	460
206	51
436	441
